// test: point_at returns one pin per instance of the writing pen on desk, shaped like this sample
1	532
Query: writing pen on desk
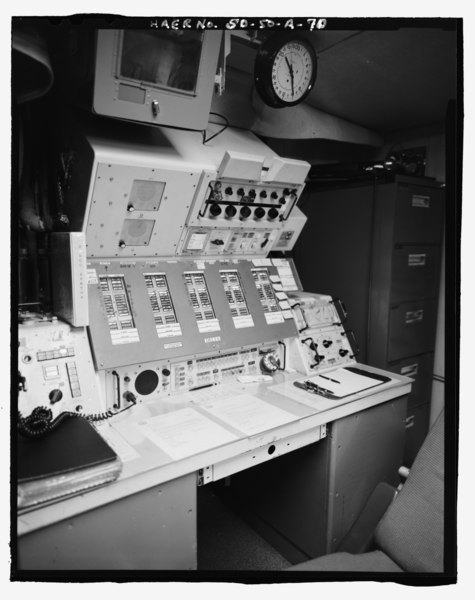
330	379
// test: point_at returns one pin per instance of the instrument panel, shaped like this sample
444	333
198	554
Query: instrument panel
142	311
55	368
322	341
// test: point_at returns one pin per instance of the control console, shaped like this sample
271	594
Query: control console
322	342
55	367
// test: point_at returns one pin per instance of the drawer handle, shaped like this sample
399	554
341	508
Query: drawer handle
410	421
420	201
414	316
410	370
416	260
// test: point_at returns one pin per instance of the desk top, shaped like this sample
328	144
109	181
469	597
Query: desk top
155	443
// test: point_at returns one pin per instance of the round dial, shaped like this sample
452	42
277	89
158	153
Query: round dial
285	70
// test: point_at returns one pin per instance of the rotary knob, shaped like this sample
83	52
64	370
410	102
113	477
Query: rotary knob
55	396
245	212
273	213
230	211
215	210
259	212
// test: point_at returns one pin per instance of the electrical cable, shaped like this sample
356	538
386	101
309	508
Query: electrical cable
224	126
40	421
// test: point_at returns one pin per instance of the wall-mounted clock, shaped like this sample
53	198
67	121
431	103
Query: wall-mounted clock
285	69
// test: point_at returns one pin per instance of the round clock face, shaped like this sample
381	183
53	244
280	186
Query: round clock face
292	72
285	71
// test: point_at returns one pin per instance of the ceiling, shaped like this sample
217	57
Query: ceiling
383	80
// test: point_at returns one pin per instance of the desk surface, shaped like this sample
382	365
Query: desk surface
290	411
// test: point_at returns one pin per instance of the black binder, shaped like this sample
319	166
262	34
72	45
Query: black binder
70	459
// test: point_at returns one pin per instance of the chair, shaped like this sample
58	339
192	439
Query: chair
410	535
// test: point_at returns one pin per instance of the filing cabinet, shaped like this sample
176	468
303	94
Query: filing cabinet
376	245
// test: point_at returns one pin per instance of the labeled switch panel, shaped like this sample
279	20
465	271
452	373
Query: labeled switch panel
212	241
164	314
215	369
117	306
265	290
200	301
236	299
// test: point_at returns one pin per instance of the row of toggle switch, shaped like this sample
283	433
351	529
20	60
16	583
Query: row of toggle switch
251	195
215	210
241	203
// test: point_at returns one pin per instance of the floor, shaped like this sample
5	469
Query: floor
227	542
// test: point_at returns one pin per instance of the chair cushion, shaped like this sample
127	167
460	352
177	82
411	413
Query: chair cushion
411	531
343	561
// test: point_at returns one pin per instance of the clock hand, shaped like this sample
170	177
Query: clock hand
291	74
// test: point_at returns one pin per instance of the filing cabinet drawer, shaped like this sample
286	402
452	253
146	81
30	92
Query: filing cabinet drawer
415	273
417	427
411	329
419	368
419	212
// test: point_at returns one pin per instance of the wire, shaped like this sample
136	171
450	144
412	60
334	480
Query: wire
41	422
225	126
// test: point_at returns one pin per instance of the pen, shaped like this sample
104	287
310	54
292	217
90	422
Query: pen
330	379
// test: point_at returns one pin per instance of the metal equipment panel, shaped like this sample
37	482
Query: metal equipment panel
357	468
123	321
154	529
140	97
138	211
55	368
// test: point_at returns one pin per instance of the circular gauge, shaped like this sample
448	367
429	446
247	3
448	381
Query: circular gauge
285	70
